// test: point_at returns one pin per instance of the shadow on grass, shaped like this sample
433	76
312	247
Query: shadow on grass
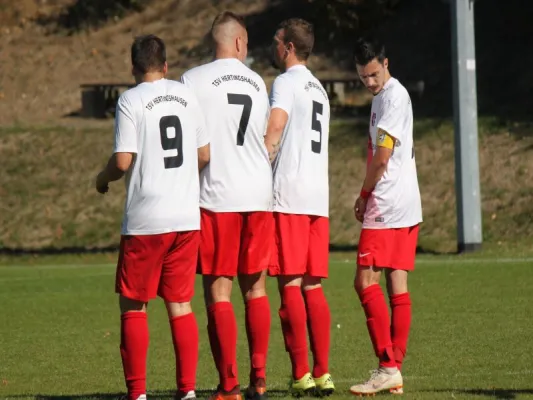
162	394
495	393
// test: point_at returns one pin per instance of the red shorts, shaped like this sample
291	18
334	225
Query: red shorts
388	248
162	264
235	242
302	245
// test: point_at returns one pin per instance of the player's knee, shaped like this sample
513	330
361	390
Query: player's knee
364	279
254	293
285	281
396	281
217	289
178	309
127	305
311	282
253	286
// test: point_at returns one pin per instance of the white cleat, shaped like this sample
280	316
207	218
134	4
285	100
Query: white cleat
380	380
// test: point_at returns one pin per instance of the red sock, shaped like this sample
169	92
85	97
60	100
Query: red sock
225	327
319	325
185	338
400	324
213	340
258	332
134	340
293	324
378	323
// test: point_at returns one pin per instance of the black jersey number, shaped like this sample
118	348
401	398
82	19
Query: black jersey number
245	101
171	143
316	146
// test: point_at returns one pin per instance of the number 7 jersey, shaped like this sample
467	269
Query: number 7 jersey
234	101
301	184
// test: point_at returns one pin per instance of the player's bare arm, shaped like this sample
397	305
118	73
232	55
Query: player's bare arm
117	166
276	125
204	155
375	171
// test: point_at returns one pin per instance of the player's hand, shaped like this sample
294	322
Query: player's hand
102	185
359	209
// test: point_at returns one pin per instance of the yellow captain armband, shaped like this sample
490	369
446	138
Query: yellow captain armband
385	140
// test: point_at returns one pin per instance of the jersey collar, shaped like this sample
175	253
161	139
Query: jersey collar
296	67
227	60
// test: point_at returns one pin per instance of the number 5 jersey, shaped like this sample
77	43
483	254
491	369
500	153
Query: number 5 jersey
301	183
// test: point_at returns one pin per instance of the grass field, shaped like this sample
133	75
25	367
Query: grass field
471	333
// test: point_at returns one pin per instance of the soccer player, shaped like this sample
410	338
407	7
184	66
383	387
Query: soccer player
297	140
389	207
235	200
160	144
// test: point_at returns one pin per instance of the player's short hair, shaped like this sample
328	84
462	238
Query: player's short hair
225	17
301	34
368	48
148	54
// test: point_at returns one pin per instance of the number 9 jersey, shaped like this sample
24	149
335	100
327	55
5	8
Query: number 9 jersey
234	100
162	124
301	184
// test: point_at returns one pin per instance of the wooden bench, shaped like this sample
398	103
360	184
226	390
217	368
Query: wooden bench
337	88
100	99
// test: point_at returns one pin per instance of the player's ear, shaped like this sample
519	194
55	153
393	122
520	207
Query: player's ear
289	48
165	68
386	63
238	44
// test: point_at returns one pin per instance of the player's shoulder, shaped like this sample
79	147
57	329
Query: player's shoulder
395	91
200	70
254	75
284	79
130	97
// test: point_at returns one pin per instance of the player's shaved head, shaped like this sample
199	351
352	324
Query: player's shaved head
229	36
227	26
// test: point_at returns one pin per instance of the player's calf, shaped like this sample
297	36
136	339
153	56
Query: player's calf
319	325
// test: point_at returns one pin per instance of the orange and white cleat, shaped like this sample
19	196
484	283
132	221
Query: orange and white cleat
380	380
221	395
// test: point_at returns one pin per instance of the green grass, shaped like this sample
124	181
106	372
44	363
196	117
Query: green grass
471	333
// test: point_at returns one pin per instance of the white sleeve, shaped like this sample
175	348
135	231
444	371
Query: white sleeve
391	117
186	81
202	135
125	130
267	102
282	95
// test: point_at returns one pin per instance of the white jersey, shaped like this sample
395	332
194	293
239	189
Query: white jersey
395	201
301	183
162	124
234	100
